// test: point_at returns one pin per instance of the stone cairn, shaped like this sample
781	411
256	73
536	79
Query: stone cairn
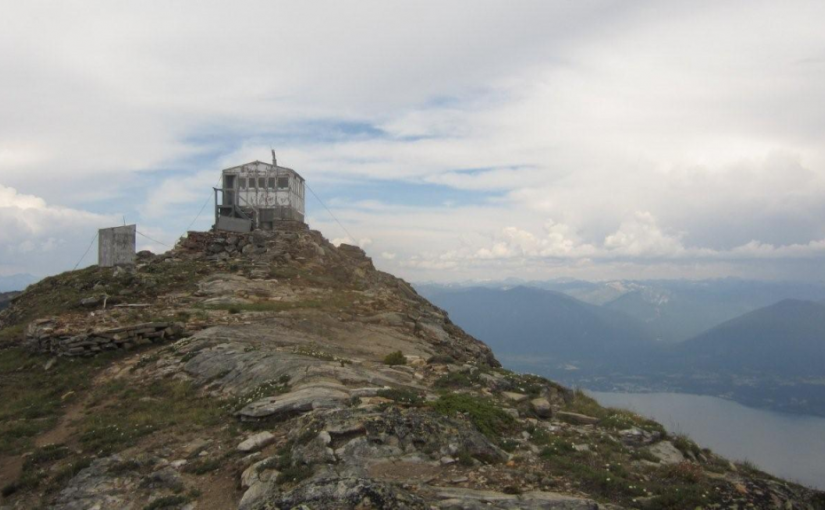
45	336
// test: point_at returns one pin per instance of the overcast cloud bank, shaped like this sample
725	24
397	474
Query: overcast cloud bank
587	139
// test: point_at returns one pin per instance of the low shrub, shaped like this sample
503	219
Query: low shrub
202	467
686	471
294	474
167	502
395	358
402	396
488	418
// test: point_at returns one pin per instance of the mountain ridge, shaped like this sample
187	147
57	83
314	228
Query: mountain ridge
555	322
788	336
275	370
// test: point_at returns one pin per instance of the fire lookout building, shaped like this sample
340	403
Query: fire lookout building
259	195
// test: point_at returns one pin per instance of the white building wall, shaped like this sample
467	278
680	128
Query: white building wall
257	186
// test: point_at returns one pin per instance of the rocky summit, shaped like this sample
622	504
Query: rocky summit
273	370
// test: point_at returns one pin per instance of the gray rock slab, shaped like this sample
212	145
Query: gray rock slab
579	419
453	498
515	397
296	402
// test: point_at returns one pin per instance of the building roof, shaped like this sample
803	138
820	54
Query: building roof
269	165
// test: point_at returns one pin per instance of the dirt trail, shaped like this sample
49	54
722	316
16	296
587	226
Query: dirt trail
63	432
65	425
10	468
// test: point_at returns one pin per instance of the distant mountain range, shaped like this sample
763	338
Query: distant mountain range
16	282
530	321
672	310
787	338
770	356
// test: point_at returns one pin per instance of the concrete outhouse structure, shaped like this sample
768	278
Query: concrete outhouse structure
259	195
116	246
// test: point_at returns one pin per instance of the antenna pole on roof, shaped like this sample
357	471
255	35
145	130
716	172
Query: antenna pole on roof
274	159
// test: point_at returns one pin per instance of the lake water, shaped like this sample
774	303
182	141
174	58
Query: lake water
785	445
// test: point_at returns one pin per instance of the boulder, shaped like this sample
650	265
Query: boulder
637	437
542	407
258	472
515	397
101	485
256	442
666	452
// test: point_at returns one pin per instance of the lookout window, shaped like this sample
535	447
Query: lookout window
283	182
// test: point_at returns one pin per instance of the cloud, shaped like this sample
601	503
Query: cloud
642	237
447	135
37	234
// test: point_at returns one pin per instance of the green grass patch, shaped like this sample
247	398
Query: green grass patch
62	293
457	380
332	301
45	455
201	467
611	418
488	418
12	335
129	413
31	402
402	396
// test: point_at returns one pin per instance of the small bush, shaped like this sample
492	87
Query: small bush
233	310
202	467
167	502
445	359
395	358
464	458
686	471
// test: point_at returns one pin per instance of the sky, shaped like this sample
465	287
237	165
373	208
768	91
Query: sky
454	140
